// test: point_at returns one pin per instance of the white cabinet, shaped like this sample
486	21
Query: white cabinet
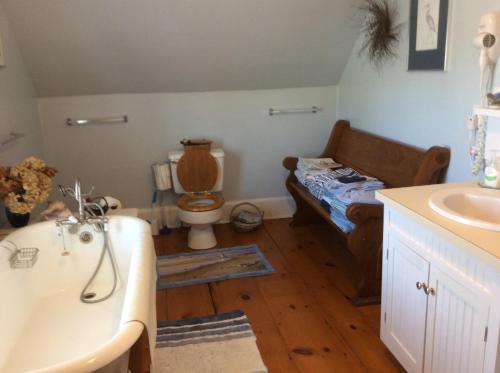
439	307
457	319
406	307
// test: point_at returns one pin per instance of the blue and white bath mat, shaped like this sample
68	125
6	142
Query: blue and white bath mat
219	343
211	265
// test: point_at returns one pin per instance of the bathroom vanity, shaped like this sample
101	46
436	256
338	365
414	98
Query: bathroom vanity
440	286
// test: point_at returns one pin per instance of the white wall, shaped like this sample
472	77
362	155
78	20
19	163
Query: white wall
116	158
18	110
421	108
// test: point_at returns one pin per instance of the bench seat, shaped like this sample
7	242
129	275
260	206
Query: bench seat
396	165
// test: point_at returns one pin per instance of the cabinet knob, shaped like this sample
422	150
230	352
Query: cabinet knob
427	290
430	291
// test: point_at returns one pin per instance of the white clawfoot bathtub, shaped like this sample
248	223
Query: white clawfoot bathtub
44	327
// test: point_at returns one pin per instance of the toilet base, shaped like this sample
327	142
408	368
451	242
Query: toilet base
201	237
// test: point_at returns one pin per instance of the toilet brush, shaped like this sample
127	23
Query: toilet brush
154	217
163	227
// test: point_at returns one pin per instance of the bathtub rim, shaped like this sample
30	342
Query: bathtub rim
121	342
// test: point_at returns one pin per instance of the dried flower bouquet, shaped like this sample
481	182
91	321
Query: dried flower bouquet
25	185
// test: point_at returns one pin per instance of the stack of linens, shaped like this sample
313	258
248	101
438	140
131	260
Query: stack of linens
310	168
336	187
338	194
314	173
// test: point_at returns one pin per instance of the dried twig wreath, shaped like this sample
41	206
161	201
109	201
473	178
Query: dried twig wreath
381	33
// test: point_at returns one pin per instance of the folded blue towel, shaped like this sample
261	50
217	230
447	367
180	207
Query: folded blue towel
341	221
338	214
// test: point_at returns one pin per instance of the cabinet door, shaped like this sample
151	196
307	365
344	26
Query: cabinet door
456	327
405	306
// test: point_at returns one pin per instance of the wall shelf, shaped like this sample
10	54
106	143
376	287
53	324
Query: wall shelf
478	110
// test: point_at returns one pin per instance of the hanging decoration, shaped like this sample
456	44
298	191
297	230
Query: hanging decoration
380	30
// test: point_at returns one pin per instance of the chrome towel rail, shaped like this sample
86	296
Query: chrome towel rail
13	136
313	110
106	120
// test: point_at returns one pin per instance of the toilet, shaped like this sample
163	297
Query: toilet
198	175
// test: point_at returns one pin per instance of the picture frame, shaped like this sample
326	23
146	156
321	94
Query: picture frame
2	57
428	34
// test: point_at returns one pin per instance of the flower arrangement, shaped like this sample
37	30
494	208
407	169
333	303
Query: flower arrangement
25	185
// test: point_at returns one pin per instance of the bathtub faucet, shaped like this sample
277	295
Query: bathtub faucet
84	217
79	198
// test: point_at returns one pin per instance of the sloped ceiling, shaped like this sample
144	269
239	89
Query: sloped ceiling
77	47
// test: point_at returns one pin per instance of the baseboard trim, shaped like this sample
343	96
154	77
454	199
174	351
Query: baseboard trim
274	208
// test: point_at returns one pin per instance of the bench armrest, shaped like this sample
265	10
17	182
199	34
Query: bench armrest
360	212
290	163
433	166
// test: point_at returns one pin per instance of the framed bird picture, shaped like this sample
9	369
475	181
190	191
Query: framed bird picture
428	34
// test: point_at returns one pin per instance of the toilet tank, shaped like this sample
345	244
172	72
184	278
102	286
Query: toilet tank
175	155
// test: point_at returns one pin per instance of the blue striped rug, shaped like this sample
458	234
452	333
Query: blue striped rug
196	330
211	344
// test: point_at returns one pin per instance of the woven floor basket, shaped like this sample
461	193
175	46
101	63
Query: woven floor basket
242	226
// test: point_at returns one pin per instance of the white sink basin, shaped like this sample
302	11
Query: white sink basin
476	207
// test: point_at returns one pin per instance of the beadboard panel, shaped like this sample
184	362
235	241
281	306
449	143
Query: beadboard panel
457	319
405	314
446	256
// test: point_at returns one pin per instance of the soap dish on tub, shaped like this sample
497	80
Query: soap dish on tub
25	257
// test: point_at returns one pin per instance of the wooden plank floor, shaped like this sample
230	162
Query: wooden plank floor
302	321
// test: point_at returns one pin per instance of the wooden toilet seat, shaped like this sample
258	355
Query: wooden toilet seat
194	202
197	172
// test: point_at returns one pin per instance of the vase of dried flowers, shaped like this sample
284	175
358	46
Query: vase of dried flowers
23	186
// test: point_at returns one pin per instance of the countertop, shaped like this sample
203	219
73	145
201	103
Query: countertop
414	202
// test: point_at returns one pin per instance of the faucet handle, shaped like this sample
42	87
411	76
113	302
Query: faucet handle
62	190
65	191
89	193
78	190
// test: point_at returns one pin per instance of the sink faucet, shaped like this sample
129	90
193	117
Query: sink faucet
83	208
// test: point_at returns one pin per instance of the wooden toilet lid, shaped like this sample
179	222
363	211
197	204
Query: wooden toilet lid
197	171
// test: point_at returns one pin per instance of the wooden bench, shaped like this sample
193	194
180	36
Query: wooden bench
397	165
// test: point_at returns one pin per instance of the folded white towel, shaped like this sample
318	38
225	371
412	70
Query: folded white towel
358	196
317	164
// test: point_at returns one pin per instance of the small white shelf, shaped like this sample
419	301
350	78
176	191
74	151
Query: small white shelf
478	110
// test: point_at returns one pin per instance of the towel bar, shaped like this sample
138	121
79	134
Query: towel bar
313	110
106	120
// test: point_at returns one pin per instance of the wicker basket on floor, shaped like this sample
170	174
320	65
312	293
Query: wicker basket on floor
243	226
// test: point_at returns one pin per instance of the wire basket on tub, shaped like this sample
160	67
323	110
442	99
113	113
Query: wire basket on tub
243	220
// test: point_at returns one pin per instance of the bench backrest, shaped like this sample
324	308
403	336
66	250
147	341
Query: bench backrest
396	164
